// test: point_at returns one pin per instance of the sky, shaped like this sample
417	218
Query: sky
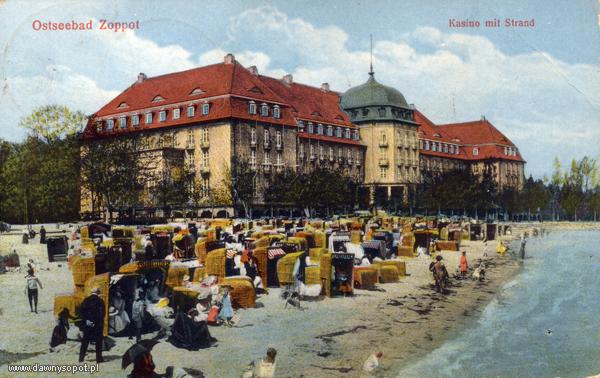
539	85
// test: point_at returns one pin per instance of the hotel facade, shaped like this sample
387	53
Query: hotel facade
204	118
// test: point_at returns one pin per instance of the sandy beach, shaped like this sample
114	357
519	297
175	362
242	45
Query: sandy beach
330	337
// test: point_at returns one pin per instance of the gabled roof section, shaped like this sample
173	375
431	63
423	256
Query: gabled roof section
310	103
477	132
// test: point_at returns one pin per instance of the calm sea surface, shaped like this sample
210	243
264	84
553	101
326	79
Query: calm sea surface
544	323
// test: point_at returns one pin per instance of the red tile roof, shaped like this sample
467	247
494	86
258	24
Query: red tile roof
310	103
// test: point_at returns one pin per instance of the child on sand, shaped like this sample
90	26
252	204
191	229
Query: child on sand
463	265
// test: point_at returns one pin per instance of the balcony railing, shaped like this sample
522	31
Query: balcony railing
384	162
204	144
205	169
252	143
279	146
383	143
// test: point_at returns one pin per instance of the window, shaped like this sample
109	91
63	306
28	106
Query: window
267	137
253	158
445	148
190	138
162	116
383	137
205	187
356	135
457	150
205	135
310	128
122	122
176	112
349	154
340	154
276	112
312	151
329	131
383	172
190	111
505	151
205	158
347	134
148	118
279	159
331	153
321	153
338	132
320	129
300	126
434	146
110	124
267	157
357	157
264	110
253	135
382	112
135	120
205	109
161	141
301	151
278	139
175	140
190	159
252	107
451	149
475	151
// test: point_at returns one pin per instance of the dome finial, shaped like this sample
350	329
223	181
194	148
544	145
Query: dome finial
371	66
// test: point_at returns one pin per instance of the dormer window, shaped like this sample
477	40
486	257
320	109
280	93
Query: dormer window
475	151
434	146
300	126
320	129
205	109
110	124
122	122
347	133
264	110
158	98
451	149
176	113
338	132
427	145
356	135
329	131
162	115
276	112
148	118
123	105
135	120
310	128
191	111
252	107
196	91
445	148
382	112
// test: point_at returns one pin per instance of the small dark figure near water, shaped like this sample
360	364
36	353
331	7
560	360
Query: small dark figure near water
31	289
522	250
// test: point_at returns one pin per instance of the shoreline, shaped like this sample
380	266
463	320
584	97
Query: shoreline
331	337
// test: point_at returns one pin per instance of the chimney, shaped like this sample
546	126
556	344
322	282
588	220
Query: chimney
141	77
482	117
288	79
325	87
229	59
253	70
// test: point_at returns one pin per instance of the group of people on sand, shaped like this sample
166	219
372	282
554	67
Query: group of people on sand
442	278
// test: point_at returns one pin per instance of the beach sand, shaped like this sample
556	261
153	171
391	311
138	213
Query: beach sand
330	337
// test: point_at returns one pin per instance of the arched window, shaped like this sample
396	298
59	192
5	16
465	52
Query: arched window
205	109
190	111
252	107
475	151
320	129
276	112
329	131
310	128
264	110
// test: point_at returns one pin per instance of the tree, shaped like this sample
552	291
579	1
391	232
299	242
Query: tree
115	172
239	183
53	122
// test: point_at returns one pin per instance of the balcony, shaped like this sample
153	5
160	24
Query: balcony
266	167
400	161
267	144
279	167
190	168
204	144
384	162
190	145
253	143
279	146
383	143
205	169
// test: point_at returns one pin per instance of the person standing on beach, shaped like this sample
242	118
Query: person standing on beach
42	235
440	274
31	289
92	314
463	265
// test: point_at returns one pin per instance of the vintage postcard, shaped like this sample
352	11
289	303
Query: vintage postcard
228	188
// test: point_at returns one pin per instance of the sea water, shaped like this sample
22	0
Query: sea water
543	323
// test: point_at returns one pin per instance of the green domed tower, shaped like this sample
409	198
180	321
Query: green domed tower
387	127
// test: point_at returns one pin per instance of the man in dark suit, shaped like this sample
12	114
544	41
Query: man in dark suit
92	313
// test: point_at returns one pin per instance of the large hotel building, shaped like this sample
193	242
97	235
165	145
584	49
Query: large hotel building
204	117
